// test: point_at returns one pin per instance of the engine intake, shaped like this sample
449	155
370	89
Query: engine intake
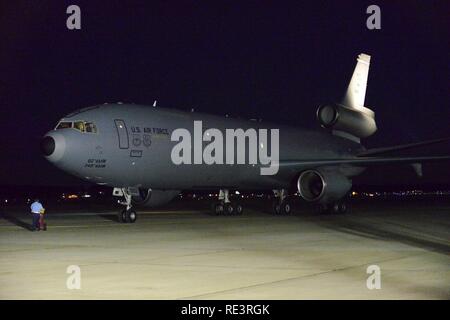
324	187
359	122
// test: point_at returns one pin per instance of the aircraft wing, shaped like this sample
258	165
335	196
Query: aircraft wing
384	150
359	161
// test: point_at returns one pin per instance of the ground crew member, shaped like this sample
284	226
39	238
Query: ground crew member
36	208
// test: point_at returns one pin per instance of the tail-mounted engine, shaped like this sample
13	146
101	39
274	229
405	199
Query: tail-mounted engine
351	118
357	122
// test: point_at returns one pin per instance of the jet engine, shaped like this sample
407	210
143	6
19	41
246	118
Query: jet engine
323	186
153	198
357	122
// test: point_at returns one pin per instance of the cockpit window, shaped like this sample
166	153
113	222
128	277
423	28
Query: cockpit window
64	125
81	126
90	127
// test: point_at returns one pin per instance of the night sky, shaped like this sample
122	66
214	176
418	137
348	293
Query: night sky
255	59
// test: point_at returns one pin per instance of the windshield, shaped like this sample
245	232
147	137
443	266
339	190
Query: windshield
64	125
82	126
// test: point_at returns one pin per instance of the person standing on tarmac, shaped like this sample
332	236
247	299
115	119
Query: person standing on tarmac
36	208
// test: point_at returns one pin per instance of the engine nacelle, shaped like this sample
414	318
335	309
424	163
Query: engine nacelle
323	187
153	198
359	122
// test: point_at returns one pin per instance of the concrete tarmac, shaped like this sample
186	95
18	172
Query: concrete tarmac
190	254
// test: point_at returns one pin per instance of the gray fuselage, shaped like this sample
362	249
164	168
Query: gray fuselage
132	147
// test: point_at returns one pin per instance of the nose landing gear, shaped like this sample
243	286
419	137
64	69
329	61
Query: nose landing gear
127	215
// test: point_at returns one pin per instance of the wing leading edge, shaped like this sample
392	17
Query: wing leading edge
359	161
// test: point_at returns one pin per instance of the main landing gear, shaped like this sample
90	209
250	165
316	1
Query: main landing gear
281	204
225	207
338	207
127	215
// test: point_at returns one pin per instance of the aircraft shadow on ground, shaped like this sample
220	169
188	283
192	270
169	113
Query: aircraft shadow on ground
14	220
374	232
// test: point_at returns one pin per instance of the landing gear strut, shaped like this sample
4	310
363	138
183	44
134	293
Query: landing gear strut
225	207
127	215
281	204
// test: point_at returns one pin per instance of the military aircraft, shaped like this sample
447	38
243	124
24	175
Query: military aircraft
149	154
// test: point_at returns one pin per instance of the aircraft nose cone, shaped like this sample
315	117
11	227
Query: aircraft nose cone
48	146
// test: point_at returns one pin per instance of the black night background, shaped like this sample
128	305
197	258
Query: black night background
250	59
208	241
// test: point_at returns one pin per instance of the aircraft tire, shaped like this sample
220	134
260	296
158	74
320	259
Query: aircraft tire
130	216
286	208
121	216
343	208
276	207
238	209
228	209
217	208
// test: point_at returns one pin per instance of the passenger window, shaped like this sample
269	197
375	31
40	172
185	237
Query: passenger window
79	125
90	127
64	125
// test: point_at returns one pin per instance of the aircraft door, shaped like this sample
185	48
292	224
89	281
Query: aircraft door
122	134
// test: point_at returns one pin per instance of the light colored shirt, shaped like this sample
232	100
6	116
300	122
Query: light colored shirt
36	207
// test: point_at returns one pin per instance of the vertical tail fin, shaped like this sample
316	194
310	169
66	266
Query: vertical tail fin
356	91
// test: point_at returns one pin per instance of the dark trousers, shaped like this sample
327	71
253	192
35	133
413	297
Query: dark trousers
36	217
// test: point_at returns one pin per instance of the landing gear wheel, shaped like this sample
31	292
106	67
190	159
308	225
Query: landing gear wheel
334	208
228	209
343	207
130	216
238	209
285	208
121	216
276	207
338	207
217	208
